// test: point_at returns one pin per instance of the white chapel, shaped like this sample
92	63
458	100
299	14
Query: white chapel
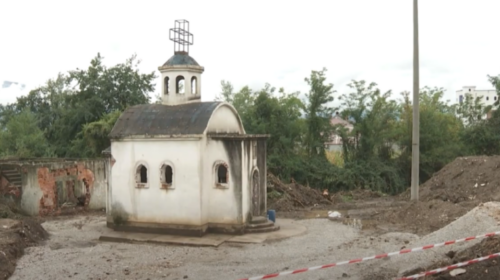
186	166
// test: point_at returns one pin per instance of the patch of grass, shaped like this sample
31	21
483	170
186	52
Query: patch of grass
347	198
335	158
274	194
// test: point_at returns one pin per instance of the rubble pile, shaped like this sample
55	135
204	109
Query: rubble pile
292	196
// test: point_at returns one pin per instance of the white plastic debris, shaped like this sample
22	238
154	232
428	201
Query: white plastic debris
334	214
457	271
475	186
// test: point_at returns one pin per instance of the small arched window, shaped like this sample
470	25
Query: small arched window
222	174
144	174
179	85
194	83
166	176
166	84
141	176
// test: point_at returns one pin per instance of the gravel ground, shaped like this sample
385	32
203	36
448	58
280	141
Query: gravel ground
73	252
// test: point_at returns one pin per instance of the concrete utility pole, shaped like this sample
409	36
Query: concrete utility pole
415	155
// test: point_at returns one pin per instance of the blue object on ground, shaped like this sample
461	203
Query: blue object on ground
271	215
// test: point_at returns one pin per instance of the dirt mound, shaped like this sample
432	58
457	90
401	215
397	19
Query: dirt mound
422	217
465	179
15	235
485	270
454	190
358	194
289	197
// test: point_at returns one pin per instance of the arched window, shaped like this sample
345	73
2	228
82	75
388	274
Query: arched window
141	176
179	85
221	174
144	174
169	174
166	176
194	82
166	84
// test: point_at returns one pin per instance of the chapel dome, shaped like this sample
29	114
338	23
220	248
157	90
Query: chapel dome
181	58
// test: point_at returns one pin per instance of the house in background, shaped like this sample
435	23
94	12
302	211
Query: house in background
335	143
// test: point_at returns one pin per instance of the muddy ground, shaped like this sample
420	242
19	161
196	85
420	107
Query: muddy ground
16	233
452	192
449	194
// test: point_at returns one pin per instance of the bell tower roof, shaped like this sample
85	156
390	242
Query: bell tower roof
181	58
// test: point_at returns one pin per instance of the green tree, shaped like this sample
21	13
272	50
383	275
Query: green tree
280	116
277	114
440	131
369	148
93	138
64	105
21	137
495	81
483	137
373	116
471	110
318	113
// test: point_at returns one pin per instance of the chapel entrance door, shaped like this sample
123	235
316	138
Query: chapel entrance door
256	194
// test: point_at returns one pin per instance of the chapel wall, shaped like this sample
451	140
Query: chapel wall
156	201
225	198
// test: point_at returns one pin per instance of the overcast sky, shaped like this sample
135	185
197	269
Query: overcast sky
254	42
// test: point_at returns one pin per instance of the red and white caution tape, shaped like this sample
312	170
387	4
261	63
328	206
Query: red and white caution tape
381	256
450	267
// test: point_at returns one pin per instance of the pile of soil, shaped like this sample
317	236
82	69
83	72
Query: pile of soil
293	196
485	270
358	194
421	217
450	193
16	233
465	179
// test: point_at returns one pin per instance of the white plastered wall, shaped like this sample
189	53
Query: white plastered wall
223	206
152	204
225	120
174	98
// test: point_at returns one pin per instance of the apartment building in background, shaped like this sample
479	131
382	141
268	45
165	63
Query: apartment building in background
490	96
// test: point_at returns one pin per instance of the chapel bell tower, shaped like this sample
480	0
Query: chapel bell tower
181	74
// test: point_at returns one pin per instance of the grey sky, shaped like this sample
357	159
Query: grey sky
254	42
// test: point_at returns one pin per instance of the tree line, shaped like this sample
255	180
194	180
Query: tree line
71	115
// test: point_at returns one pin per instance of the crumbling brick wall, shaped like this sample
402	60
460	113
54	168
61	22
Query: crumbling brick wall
52	186
47	178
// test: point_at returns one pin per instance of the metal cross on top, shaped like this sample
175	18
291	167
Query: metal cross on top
181	36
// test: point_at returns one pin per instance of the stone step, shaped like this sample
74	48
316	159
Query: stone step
13	176
258	220
262	230
261	225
